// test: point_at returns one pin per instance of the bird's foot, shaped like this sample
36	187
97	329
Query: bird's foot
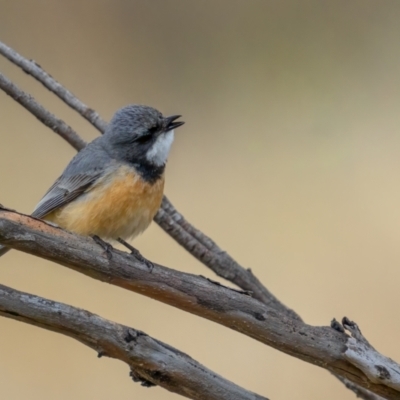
136	253
104	245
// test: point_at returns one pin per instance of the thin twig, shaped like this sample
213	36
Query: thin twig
48	119
151	361
321	346
35	70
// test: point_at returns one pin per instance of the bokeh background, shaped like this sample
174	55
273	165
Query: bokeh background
289	159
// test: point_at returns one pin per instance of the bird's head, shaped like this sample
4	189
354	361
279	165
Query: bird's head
141	134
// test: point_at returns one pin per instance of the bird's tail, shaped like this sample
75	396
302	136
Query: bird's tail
4	250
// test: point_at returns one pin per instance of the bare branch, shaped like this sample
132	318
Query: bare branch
377	367
50	120
35	70
322	346
151	361
359	391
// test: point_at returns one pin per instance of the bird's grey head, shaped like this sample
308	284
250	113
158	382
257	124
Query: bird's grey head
140	134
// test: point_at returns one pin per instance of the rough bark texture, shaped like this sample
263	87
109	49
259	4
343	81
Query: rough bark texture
322	346
151	361
377	367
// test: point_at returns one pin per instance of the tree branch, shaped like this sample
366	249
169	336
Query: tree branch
359	391
322	346
378	368
48	119
35	70
151	361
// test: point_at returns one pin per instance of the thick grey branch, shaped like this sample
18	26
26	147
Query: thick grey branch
360	391
322	346
378	368
151	361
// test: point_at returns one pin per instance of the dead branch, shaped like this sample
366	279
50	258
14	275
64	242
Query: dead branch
151	361
35	70
44	116
378	368
322	346
359	391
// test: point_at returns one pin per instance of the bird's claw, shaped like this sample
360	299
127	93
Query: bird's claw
104	245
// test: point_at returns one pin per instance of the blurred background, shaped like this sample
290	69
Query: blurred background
289	159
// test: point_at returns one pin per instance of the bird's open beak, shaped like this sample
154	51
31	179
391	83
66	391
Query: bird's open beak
170	124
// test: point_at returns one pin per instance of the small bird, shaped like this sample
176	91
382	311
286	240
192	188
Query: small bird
113	187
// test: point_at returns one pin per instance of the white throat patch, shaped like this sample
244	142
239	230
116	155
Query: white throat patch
158	153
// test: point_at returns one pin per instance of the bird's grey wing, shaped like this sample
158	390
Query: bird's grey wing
64	190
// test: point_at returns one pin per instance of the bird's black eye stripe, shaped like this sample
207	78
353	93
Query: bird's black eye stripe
144	138
154	129
149	134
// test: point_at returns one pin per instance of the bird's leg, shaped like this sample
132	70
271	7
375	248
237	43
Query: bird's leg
104	245
134	251
136	254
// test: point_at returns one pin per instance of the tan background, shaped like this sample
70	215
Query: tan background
289	159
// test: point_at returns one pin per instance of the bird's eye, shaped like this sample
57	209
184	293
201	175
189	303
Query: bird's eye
144	138
148	135
154	129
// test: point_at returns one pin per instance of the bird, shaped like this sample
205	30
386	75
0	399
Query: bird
113	187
